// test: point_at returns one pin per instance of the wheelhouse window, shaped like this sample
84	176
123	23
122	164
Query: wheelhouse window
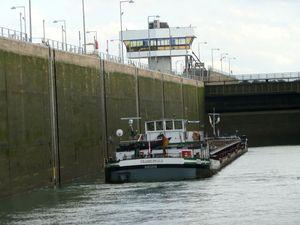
153	42
178	125
169	125
159	125
163	42
179	41
150	126
159	44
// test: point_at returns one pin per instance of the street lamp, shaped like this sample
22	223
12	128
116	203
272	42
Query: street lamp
84	33
229	64
44	31
199	43
212	56
223	56
24	18
64	29
121	24
149	41
170	46
30	24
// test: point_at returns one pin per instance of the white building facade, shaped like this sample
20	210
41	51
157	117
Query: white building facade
159	44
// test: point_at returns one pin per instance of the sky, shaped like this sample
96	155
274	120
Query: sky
263	35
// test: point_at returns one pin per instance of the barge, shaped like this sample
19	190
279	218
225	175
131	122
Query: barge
168	152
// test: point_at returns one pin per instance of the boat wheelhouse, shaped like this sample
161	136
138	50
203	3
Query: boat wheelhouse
176	129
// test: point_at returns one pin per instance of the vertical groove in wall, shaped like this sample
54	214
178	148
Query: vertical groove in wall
197	101
163	96
137	98
182	98
57	115
104	109
54	118
7	126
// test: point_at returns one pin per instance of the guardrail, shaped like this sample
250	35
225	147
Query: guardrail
13	34
259	78
243	78
117	59
288	76
219	71
58	45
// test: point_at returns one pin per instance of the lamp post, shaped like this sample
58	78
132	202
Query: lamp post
24	18
64	29
30	24
229	64
44	31
84	33
212	56
79	41
170	46
223	56
199	44
121	24
149	41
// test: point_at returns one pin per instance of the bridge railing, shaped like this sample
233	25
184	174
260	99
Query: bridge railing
266	77
259	78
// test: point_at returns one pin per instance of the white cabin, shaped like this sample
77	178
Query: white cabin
170	128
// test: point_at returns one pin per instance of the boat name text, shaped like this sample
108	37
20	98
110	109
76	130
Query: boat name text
146	161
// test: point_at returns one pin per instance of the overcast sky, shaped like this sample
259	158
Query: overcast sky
264	35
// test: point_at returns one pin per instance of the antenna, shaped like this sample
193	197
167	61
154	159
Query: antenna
130	123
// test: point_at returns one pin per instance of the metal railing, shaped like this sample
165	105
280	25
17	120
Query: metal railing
117	59
243	78
219	71
58	45
266	77
13	34
257	78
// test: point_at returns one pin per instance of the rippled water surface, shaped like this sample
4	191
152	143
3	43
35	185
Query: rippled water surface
261	187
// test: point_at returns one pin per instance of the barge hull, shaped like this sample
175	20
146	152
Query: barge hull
155	173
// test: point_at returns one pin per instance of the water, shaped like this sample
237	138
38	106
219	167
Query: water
261	187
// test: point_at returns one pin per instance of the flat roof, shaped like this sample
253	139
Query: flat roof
175	32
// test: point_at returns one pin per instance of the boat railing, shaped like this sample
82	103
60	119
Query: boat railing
202	156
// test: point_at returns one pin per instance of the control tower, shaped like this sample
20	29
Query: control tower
159	43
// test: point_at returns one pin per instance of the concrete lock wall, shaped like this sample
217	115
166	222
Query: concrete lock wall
59	112
263	128
267	112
